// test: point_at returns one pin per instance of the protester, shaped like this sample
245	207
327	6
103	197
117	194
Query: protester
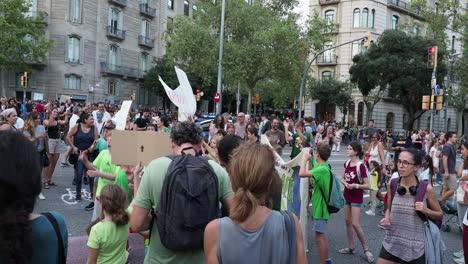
300	139
186	138
83	138
240	125
163	124
10	115
102	110
275	135
252	133
128	122
376	152
447	168
400	144
353	193
26	237
108	235
52	125
230	129
216	125
264	119
434	153
72	122
375	169
320	175
142	122
266	239
404	240
370	130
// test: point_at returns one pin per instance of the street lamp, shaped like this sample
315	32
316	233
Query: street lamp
220	63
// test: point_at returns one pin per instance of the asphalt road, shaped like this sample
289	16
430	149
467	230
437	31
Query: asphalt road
77	219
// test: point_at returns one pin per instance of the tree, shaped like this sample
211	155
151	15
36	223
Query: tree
459	75
331	92
397	62
264	50
22	38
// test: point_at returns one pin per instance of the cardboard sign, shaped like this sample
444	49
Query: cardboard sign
64	98
131	147
38	96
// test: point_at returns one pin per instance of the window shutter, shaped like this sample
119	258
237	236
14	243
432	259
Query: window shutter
109	18
67	47
119	56
117	88
143	28
82	50
106	87
120	21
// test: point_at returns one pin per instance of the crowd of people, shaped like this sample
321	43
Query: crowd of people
225	204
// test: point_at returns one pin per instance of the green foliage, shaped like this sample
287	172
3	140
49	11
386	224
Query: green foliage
264	50
331	92
397	62
22	38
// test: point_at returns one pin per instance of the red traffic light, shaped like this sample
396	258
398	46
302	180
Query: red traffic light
431	50
198	90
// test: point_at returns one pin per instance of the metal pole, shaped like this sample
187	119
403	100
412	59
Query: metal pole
24	94
434	72
238	98
304	75
220	63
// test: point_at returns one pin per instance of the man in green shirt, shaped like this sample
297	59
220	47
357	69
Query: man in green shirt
300	139
320	175
184	135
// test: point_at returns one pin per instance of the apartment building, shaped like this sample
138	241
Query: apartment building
354	19
102	48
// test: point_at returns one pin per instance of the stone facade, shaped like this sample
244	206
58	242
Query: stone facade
354	19
103	75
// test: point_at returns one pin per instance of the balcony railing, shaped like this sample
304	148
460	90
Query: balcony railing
144	41
147	11
327	60
115	33
36	14
119	2
121	70
404	6
328	2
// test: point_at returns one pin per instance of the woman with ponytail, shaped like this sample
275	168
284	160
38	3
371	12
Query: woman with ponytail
108	235
253	233
26	237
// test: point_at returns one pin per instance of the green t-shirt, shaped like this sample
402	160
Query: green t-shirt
104	163
321	179
296	149
101	144
122	181
111	240
148	197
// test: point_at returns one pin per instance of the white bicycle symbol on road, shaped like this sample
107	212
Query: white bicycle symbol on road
69	198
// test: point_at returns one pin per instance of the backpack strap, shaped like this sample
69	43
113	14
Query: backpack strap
61	247
393	184
291	230
153	218
420	197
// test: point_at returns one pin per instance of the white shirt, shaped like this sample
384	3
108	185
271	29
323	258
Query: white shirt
19	123
106	116
465	218
425	175
395	175
73	121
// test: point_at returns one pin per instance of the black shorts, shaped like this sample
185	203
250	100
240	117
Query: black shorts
387	256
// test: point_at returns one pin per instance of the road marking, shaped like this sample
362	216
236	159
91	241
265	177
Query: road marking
69	198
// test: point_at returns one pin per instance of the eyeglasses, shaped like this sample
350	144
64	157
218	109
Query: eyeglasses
404	163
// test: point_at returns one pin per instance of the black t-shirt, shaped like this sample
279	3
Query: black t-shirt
406	143
142	122
417	144
449	151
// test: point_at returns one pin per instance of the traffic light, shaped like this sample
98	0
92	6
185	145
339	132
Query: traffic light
257	98
296	104
432	57
426	102
133	96
367	39
439	100
24	79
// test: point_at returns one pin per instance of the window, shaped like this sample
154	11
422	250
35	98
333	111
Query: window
170	21
394	21
329	55
74	11
326	75
73	82
186	7
144	63
372	18
194	10
360	113
357	48
73	49
114	57
111	87
389	121
115	20
365	17
170	4
356	15
453	44
145	28
330	16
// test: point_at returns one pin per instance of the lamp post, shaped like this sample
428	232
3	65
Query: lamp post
220	63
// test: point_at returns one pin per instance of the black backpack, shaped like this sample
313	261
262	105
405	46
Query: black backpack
189	201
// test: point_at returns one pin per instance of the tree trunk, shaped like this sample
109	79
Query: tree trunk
369	110
2	85
249	102
459	122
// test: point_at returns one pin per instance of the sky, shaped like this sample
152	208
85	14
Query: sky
303	10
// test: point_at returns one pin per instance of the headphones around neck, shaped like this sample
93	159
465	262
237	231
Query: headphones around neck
401	190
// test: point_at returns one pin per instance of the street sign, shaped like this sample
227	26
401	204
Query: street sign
437	90
217	97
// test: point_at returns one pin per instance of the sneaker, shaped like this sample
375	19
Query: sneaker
65	163
78	198
90	206
85	180
458	254
41	196
369	212
459	260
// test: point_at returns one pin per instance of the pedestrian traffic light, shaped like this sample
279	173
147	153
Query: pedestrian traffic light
24	79
367	39
296	104
439	102
432	57
257	98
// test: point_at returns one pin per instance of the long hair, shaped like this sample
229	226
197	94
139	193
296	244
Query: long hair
254	179
465	162
430	164
30	123
114	202
356	146
220	124
20	184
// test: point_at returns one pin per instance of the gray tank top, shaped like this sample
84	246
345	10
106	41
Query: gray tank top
267	244
407	240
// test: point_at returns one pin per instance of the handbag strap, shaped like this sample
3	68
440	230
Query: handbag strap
53	221
291	230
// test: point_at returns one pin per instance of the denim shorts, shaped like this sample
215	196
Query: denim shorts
320	225
353	204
